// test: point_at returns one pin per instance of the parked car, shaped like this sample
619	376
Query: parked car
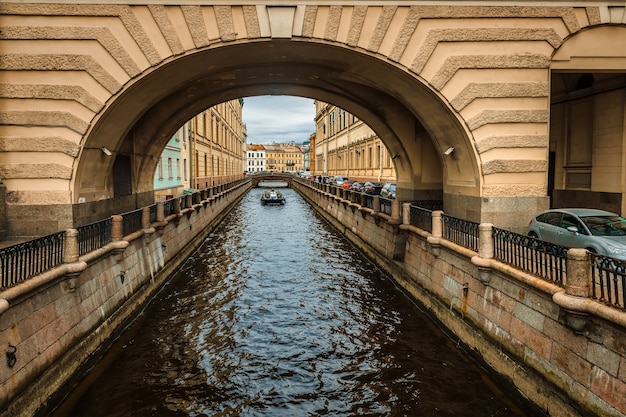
338	180
356	186
388	191
372	188
598	231
347	184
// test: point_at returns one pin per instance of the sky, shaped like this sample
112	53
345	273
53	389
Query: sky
278	119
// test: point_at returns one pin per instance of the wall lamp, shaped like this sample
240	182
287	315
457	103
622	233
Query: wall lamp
395	155
449	151
106	151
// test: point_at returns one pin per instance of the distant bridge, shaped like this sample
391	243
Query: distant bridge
285	180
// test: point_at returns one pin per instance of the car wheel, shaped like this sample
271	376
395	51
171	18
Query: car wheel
533	234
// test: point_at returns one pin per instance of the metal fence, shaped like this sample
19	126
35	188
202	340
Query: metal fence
131	221
430	205
27	259
462	232
608	280
531	255
421	217
168	207
153	213
385	206
93	236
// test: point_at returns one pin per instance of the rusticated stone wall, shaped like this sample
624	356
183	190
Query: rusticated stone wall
565	354
56	320
3	209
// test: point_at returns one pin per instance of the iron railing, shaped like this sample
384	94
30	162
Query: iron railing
608	280
385	205
168	207
93	236
131	221
421	217
153	213
27	259
462	232
24	260
431	205
543	259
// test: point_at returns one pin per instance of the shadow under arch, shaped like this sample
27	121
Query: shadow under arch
410	118
587	86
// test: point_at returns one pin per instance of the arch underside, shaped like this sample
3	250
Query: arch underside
409	118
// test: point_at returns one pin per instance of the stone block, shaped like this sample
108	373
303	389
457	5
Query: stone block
610	389
529	316
576	367
603	358
531	337
37	321
566	337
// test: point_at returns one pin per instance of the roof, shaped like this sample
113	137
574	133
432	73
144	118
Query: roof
582	212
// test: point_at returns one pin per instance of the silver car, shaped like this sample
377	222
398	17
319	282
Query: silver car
598	231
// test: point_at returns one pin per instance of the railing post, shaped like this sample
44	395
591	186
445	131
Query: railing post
578	279
406	213
363	202
160	211
437	233
145	218
177	206
485	240
577	284
189	201
117	228
485	252
437	219
70	255
376	204
70	246
395	212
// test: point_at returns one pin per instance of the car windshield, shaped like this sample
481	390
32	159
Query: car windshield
605	225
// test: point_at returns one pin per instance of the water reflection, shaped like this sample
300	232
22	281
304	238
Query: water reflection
277	315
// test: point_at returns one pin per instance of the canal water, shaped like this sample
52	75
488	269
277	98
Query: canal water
277	314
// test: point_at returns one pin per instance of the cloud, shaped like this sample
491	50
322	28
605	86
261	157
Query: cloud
278	119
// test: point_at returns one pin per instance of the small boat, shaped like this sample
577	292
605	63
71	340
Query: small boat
272	197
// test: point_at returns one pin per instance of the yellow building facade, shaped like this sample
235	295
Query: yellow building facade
283	158
344	145
217	144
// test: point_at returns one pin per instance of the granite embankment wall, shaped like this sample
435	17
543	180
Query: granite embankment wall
53	323
562	351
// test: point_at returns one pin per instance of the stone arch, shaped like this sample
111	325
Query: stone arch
409	117
474	77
